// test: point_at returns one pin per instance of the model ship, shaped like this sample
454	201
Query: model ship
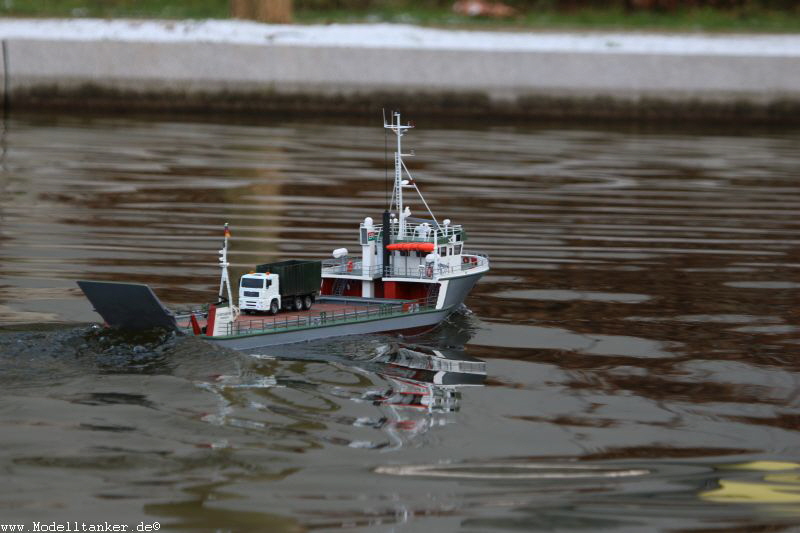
410	274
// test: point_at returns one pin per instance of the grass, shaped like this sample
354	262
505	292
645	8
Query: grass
174	9
748	19
705	19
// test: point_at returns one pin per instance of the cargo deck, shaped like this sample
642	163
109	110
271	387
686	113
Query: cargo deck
326	312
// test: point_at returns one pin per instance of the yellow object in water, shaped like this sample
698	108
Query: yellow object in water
762	465
775	488
752	492
789	477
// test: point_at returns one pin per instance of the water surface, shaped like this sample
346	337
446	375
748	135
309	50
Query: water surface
640	329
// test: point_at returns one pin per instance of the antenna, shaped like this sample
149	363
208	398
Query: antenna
400	169
385	158
397	197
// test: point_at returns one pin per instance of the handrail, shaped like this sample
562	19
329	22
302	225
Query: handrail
469	260
421	232
324	318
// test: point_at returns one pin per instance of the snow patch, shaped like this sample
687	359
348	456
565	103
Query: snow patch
398	36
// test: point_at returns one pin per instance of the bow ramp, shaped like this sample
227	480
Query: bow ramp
128	306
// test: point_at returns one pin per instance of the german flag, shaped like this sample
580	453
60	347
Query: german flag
227	231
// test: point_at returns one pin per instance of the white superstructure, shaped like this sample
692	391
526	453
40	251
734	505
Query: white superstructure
404	257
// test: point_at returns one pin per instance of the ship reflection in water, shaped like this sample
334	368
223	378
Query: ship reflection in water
423	387
360	392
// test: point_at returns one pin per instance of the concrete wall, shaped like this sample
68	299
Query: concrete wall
224	76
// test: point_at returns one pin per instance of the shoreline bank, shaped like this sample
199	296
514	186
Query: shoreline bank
239	66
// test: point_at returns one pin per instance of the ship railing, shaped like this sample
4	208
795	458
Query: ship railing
422	233
349	267
417	232
355	268
469	261
411	272
472	260
360	313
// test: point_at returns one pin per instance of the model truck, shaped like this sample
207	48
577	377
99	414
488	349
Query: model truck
292	284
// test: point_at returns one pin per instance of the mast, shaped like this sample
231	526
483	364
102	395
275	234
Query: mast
225	282
399	183
397	196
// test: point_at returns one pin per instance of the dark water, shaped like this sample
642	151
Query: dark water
640	325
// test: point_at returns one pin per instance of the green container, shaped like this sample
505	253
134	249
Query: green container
297	277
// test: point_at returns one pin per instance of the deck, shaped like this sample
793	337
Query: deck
323	313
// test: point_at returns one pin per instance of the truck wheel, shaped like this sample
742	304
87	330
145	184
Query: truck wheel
273	307
297	303
307	302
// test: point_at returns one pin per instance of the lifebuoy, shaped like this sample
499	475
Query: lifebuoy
349	266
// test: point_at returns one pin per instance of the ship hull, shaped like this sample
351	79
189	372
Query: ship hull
413	321
323	323
458	288
456	291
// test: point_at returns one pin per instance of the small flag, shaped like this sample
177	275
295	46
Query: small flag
227	232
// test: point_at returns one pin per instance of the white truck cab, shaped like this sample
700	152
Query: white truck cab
259	292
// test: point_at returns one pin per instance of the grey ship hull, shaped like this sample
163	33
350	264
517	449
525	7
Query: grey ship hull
424	319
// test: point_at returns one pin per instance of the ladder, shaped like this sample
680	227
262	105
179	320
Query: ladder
339	287
433	294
